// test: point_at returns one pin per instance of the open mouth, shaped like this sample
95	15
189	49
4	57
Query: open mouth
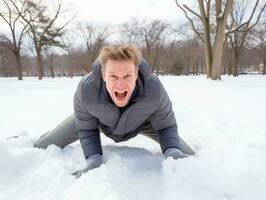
120	96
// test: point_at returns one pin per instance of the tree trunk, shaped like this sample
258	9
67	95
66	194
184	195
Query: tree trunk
52	71
225	67
19	65
216	63
71	70
218	51
4	67
236	63
214	55
39	64
202	68
264	67
229	67
197	68
52	65
208	53
225	57
187	68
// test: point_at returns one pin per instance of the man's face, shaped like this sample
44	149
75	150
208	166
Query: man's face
120	77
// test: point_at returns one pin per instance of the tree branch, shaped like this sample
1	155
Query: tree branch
208	8
51	22
218	7
248	21
258	18
3	37
190	10
4	18
191	21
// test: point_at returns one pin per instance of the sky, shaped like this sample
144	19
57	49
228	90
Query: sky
114	12
119	11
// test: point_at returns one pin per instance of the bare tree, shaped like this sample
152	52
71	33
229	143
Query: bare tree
68	48
95	37
49	54
238	38
128	34
171	59
75	59
17	29
7	61
150	35
212	24
227	62
260	45
213	50
189	48
43	29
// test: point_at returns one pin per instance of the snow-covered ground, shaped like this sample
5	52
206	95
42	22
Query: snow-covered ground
224	121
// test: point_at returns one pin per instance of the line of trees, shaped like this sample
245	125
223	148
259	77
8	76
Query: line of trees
220	21
220	37
31	19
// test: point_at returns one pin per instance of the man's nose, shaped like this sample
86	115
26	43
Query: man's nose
120	83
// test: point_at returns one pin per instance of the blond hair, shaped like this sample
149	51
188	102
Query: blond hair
120	52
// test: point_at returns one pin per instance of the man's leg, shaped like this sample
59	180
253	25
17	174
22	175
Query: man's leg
150	132
65	133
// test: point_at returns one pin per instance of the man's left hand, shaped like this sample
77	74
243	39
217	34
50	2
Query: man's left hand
174	153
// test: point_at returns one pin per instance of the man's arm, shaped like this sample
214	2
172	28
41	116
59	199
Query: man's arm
87	126
163	120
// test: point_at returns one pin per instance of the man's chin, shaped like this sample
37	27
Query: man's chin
121	103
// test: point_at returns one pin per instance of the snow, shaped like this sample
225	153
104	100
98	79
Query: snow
220	15
224	121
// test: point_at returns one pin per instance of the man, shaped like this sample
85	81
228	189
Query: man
121	99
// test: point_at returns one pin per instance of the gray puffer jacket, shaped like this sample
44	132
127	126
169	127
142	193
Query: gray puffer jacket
95	111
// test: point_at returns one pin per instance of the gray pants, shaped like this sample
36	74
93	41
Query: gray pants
66	133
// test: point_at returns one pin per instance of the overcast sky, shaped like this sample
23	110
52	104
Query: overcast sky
118	11
112	12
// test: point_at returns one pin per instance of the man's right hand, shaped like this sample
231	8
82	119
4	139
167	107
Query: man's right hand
93	161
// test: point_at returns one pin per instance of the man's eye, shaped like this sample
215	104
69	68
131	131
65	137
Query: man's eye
112	77
128	76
